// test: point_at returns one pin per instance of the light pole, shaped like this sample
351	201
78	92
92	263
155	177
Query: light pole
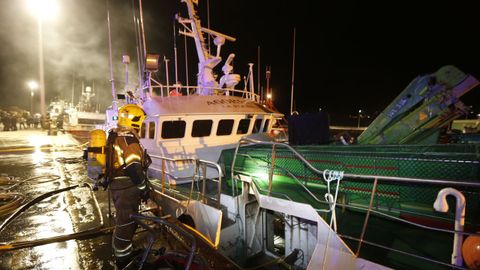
32	85
43	10
359	115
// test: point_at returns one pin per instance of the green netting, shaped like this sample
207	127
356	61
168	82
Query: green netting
454	163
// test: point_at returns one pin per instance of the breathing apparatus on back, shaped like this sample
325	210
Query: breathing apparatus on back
96	159
100	150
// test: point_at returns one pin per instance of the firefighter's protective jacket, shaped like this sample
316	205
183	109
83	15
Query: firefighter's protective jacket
127	156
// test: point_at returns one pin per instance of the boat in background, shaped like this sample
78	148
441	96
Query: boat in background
81	119
77	120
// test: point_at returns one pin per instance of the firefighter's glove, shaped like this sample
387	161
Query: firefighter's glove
144	191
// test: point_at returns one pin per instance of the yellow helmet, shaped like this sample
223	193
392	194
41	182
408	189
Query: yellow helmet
131	115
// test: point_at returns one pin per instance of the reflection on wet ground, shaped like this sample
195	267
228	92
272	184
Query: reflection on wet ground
60	223
33	164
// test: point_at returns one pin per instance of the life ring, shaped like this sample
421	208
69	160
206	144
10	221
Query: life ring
175	93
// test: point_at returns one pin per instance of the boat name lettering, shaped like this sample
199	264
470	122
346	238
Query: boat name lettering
225	102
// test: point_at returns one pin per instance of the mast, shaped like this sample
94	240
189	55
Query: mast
143	45
126	61
293	72
206	62
142	29
138	45
258	70
186	62
166	73
208	24
114	104
73	87
175	54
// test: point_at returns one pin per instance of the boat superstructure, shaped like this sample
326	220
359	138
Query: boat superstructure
198	122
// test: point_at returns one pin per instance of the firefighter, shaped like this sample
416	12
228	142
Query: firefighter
126	167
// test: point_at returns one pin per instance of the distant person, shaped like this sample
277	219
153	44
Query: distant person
45	121
6	121
22	123
36	120
30	121
60	122
13	122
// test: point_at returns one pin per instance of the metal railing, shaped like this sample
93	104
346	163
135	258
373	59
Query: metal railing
175	90
376	178
199	174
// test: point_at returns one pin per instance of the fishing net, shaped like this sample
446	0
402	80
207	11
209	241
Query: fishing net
455	164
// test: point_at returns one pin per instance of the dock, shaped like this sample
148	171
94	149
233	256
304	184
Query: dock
54	208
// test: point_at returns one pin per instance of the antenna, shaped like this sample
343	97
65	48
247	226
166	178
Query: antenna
166	73
186	63
142	29
110	60
73	87
126	61
293	72
268	99
267	77
138	45
175	53
208	24
258	70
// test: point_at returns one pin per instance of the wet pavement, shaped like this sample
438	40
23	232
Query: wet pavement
51	219
34	164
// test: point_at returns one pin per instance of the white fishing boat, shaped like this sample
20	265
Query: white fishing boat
198	122
260	204
81	119
185	132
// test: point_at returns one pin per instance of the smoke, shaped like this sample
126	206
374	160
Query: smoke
75	50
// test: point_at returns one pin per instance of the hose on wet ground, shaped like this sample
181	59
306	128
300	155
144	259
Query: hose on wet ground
97	230
86	234
34	201
65	160
89	233
24	207
9	202
7	184
83	235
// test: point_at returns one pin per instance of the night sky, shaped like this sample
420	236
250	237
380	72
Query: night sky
350	55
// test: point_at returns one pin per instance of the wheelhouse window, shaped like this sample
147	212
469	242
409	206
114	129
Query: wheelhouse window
243	126
142	130
202	128
173	129
151	130
225	127
265	126
257	125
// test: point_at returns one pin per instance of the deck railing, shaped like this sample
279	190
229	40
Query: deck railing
181	90
199	174
271	166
